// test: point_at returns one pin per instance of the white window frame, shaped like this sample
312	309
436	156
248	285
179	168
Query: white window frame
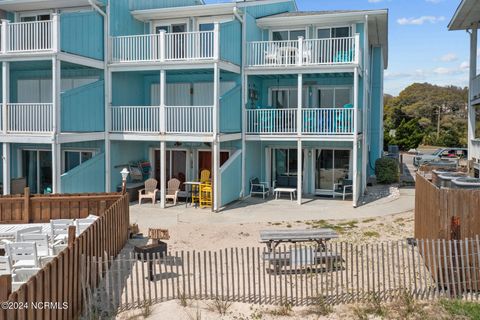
331	87
216	19
271	31
330	26
19	16
169	23
64	155
289	88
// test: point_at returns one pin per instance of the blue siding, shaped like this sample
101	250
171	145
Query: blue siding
360	29
82	34
121	20
270	9
376	122
231	179
83	108
231	110
231	42
128	89
87	177
254	33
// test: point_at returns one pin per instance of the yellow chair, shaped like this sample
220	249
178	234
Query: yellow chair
205	176
206	195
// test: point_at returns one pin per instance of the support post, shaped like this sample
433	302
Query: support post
108	128
163	177
355	138
299	104
473	74
244	130
56	32
216	141
5	94
56	147
300	51
163	85
6	167
72	234
4	36
299	171
163	47
216	41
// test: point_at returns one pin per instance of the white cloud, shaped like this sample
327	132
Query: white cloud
465	65
449	57
420	20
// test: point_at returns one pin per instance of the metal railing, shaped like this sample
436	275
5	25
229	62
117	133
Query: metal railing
30	117
136	119
189	119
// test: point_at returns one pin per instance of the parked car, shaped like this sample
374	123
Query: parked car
441	154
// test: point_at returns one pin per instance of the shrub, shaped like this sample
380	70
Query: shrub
386	170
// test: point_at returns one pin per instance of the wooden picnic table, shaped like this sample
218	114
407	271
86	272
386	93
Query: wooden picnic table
274	237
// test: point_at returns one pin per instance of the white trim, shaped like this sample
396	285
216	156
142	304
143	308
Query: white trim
212	20
333	26
168	23
76	150
283	29
33	13
326	192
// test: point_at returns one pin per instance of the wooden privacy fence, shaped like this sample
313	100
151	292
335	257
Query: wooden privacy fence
345	273
38	208
59	281
436	207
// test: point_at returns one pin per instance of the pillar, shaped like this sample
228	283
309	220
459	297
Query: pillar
108	128
216	141
299	134
473	74
6	167
355	138
299	171
56	106
163	178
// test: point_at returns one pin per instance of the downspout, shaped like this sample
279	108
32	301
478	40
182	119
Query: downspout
243	100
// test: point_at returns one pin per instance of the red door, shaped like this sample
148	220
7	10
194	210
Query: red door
205	160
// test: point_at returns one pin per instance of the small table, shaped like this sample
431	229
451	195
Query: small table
278	191
190	192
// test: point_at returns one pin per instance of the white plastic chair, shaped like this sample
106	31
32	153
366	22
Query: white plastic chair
20	276
82	224
35	229
40	239
5	265
22	254
59	230
272	55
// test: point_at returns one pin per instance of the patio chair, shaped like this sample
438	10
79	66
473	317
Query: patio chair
40	239
173	188
35	229
206	195
21	276
23	254
149	192
343	187
5	265
59	231
307	52
272	55
82	224
205	176
257	187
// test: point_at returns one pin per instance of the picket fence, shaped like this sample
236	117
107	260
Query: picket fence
338	273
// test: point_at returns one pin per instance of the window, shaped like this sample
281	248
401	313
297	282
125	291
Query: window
338	32
334	97
75	158
173	28
285	162
35	17
287	35
287	98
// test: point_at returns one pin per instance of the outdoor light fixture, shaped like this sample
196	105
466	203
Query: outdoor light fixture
124	174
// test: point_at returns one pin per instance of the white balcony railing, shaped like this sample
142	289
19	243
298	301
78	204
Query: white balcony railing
29	37
147	119
328	121
475	88
30	117
189	119
136	119
185	46
315	121
272	121
303	52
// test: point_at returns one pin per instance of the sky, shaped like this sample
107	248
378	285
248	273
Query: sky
421	49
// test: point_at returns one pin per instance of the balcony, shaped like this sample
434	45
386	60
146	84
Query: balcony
475	89
29	118
315	121
148	120
29	37
304	52
165	47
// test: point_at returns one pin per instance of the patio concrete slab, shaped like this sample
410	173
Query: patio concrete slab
257	210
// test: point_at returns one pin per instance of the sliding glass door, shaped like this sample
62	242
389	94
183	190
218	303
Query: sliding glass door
284	167
175	166
331	166
37	169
